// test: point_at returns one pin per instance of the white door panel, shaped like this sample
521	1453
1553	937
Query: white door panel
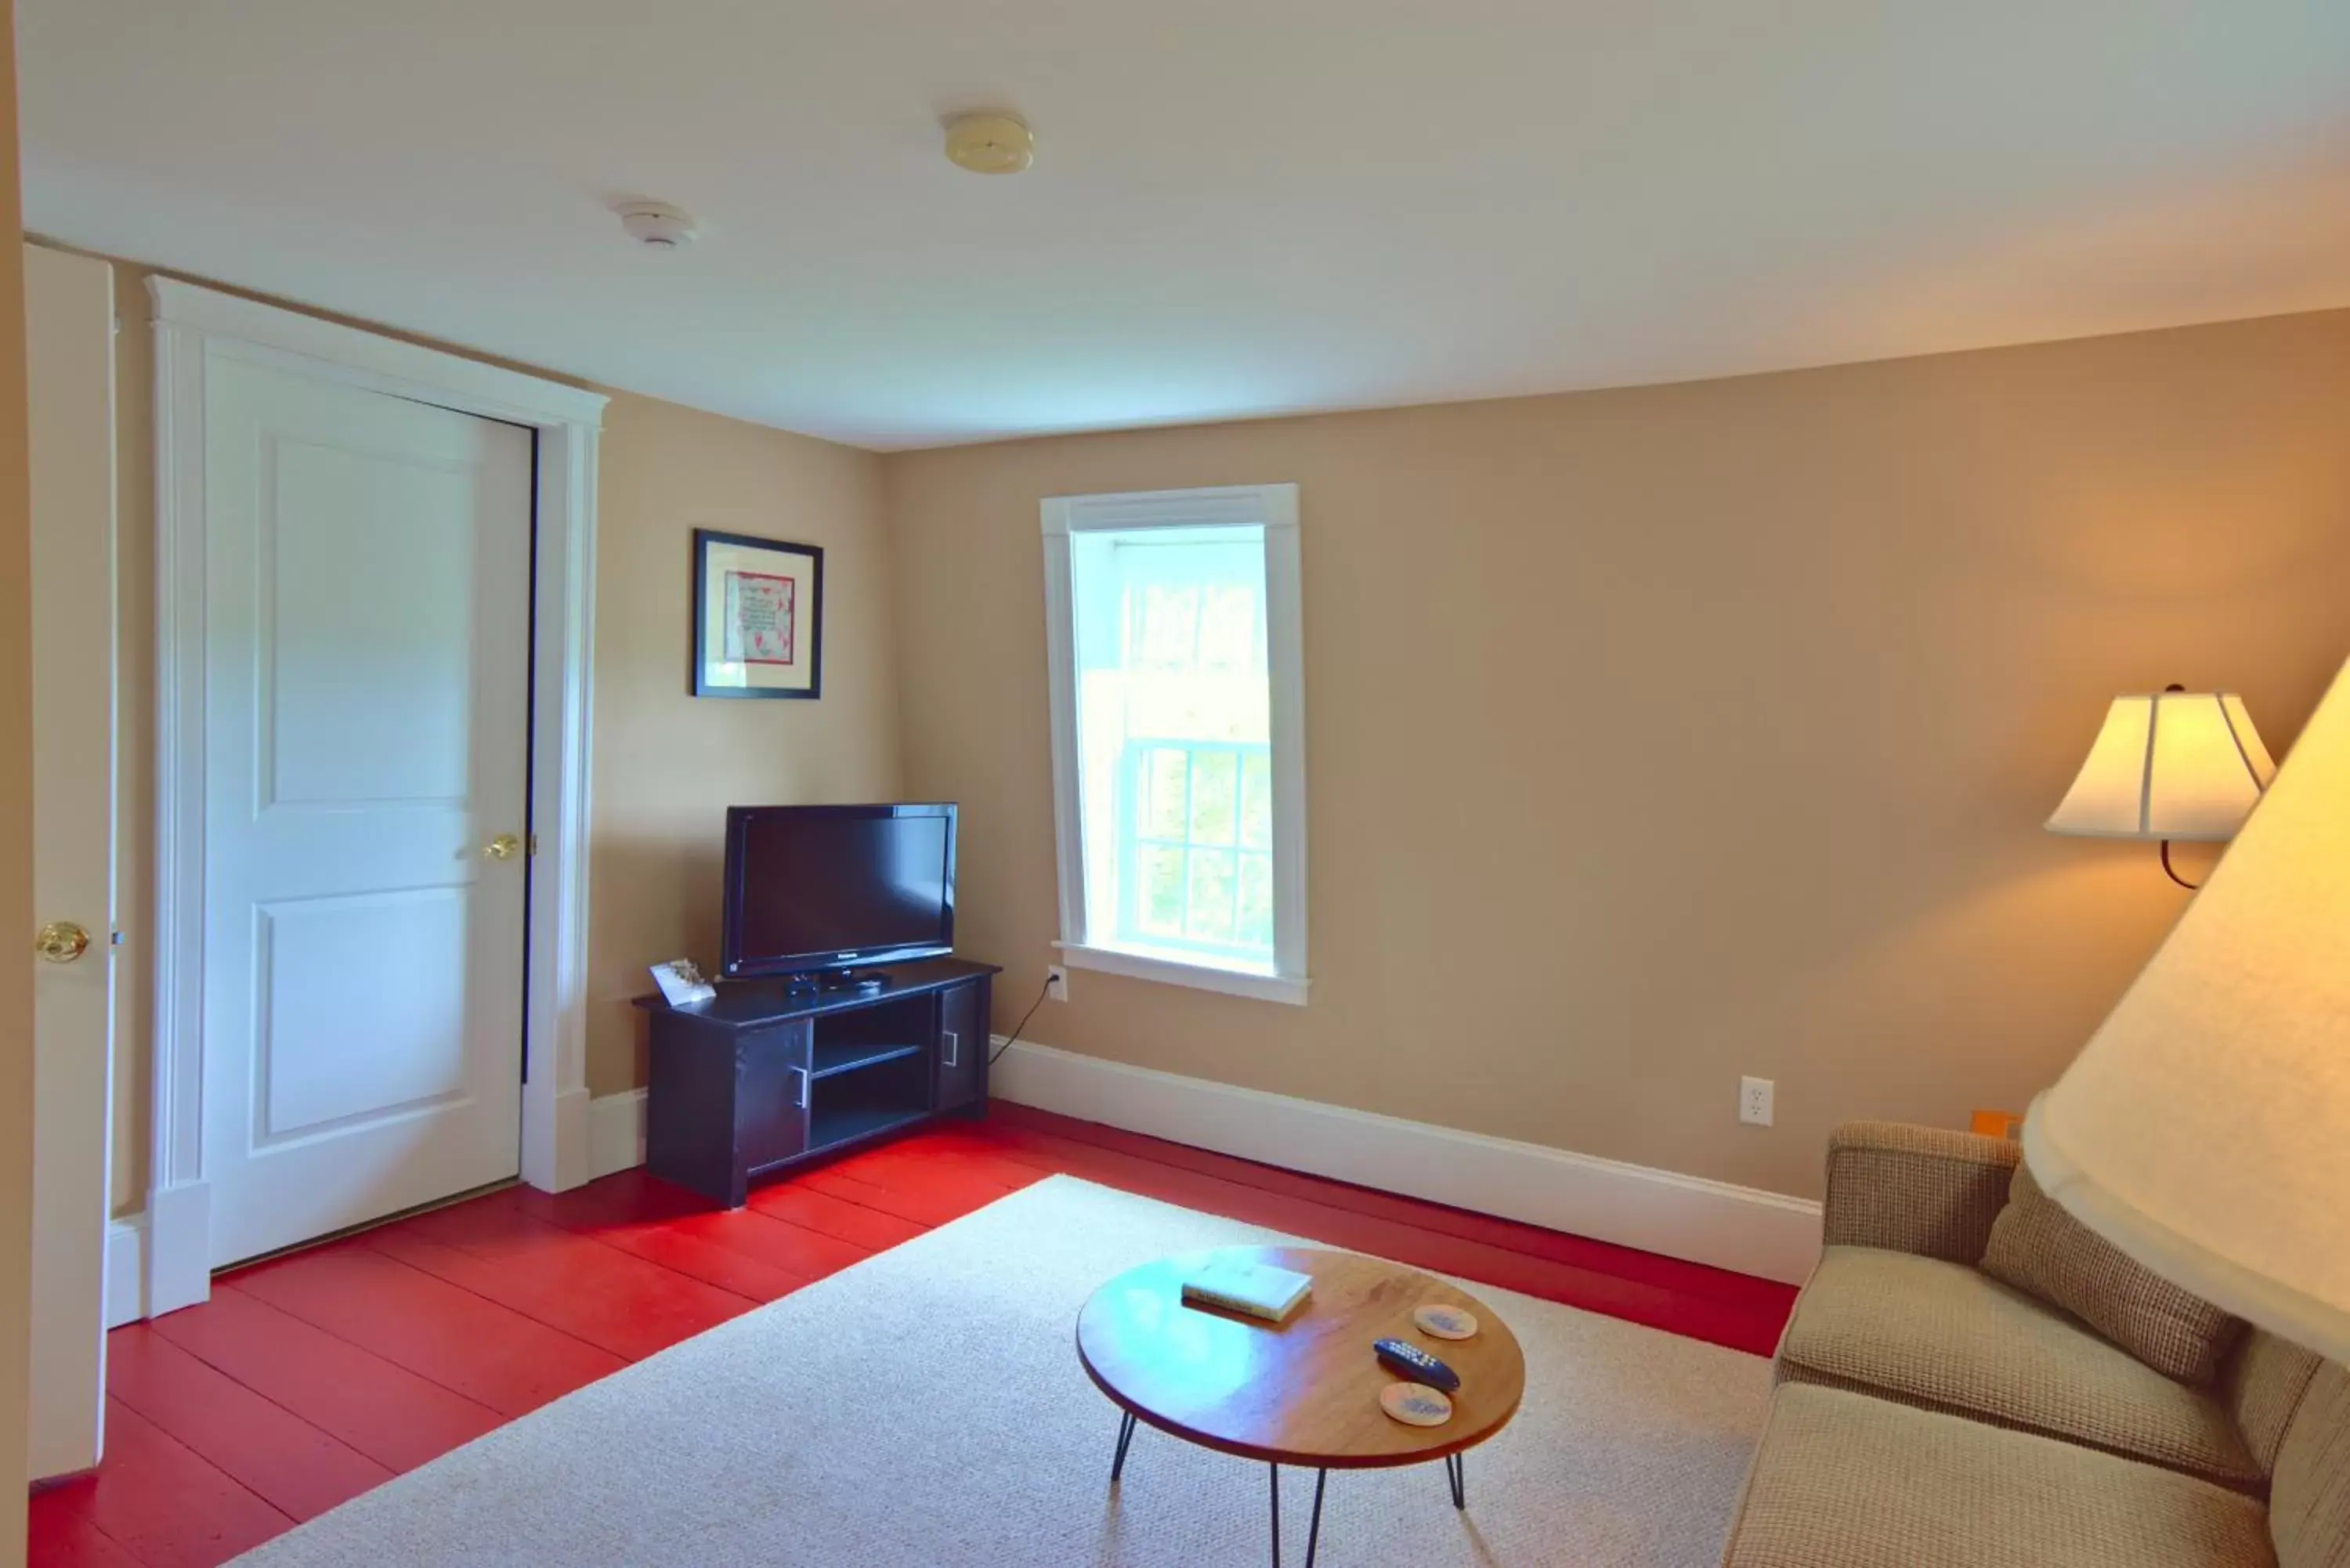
399	1021
367	626
367	622
70	364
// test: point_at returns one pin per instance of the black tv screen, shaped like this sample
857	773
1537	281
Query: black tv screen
829	887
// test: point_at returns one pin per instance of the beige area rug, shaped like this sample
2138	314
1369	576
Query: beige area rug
925	1409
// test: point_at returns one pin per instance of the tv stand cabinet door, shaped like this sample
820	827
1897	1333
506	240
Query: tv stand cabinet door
723	1100
772	1090
962	1047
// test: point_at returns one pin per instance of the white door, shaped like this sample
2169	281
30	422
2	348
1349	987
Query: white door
367	625
69	374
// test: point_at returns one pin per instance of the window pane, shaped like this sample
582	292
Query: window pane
1256	901
1173	711
1212	803
1210	919
1256	801
1160	895
1170	625
1163	811
1228	627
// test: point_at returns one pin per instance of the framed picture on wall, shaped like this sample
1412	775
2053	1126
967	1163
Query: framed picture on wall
758	617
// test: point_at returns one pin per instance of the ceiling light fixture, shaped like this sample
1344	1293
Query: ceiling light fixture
658	225
990	142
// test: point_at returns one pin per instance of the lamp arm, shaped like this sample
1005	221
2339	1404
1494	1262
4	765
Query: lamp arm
2170	871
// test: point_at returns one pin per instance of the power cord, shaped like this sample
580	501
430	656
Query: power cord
1025	1017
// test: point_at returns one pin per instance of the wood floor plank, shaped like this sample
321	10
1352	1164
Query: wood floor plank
949	1198
282	1458
59	1537
671	1245
610	1298
166	1505
799	1204
488	1352
914	1162
635	1208
631	1197
711	1264
776	1241
387	1412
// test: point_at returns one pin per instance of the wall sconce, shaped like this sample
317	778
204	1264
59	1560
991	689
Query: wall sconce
2172	764
2205	1128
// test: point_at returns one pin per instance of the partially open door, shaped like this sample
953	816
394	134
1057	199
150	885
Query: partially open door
69	368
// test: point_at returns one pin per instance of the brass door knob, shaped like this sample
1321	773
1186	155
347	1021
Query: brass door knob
505	846
61	941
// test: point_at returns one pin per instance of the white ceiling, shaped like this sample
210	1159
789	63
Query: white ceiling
1238	206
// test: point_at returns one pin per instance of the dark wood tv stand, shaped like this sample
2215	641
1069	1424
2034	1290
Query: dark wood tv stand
762	1077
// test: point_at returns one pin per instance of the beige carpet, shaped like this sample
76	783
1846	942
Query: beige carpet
925	1409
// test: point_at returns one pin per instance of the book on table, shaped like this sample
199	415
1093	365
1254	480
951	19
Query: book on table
1256	1290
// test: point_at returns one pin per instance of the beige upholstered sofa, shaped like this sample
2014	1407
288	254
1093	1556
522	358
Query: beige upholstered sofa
1927	1416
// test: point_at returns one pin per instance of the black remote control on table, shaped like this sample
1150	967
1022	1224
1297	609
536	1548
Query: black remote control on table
1416	1365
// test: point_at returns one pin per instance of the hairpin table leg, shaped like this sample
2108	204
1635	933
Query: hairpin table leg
1276	1516
1456	1475
1125	1436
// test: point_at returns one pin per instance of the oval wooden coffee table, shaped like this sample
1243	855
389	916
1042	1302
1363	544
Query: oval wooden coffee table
1305	1392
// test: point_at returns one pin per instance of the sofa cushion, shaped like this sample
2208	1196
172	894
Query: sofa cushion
1844	1480
2311	1504
2263	1386
1944	1336
2039	1247
1934	1191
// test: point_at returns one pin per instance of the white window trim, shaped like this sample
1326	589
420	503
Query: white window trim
1275	508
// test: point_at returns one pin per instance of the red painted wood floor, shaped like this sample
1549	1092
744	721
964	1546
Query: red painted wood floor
312	1378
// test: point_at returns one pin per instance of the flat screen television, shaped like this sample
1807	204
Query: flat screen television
814	887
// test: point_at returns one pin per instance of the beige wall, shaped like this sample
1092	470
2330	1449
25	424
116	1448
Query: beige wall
668	764
16	841
665	764
1662	735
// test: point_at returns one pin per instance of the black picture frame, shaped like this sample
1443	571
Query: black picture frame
703	660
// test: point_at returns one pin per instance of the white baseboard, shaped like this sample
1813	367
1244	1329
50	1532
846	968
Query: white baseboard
178	1253
616	1132
556	1152
126	1269
1767	1234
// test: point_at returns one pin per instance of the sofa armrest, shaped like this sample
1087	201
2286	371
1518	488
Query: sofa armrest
1926	1191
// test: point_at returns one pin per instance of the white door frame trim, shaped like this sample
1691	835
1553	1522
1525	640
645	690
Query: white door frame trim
194	326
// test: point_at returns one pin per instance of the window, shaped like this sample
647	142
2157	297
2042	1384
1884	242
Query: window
1178	767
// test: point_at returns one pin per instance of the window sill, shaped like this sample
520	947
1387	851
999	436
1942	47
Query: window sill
1251	983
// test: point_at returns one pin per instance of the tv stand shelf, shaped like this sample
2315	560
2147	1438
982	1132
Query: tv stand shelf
762	1077
855	1122
833	1057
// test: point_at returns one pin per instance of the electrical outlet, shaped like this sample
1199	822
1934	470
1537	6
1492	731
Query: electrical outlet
1056	983
1754	1101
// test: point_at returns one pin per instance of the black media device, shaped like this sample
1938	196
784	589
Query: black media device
1416	1364
813	891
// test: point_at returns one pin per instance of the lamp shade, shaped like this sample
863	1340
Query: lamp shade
2205	1128
2168	764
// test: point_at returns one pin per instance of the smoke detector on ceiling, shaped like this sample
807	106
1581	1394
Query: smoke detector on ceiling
658	225
990	142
